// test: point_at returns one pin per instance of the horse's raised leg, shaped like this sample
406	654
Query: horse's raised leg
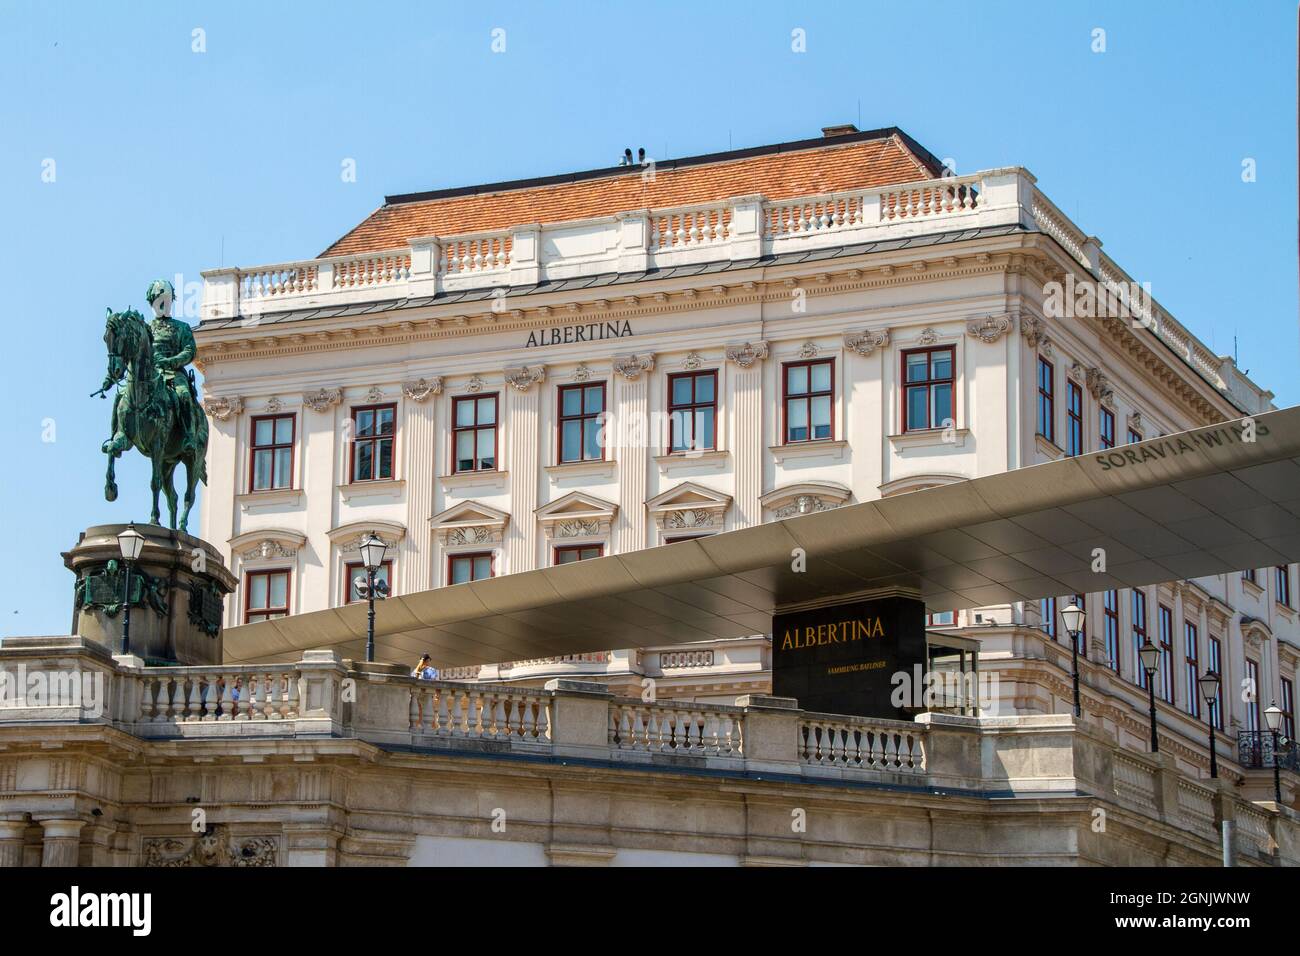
169	489
191	479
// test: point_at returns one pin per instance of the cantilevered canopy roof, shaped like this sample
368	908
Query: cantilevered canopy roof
1196	503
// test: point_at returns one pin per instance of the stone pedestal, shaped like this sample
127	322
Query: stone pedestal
178	589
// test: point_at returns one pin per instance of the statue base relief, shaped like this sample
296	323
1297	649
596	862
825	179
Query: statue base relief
178	587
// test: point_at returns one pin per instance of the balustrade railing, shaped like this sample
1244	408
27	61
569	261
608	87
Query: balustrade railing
703	730
475	253
855	743
379	269
188	695
479	712
1255	750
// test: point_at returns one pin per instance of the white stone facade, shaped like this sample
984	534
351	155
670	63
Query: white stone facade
976	278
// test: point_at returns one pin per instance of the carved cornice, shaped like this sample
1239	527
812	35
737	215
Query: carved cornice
990	328
747	353
524	377
322	399
630	366
422	388
223	406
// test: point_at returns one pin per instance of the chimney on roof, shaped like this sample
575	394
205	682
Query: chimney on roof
844	129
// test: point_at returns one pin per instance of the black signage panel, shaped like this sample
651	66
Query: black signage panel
841	659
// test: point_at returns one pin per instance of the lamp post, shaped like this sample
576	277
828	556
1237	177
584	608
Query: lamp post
1209	682
131	543
1273	718
1150	656
372	556
1073	617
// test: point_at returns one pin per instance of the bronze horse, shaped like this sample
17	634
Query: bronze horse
147	415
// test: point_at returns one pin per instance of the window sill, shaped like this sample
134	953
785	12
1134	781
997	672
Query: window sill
473	479
1053	451
583	469
712	460
253	502
387	488
1253	586
929	438
826	448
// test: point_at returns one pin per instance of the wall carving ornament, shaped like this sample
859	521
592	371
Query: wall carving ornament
690	519
422	388
928	337
222	407
631	366
747	354
273	404
808	350
475	534
990	328
1099	386
693	361
268	548
375	394
866	342
577	528
524	377
582	373
214	847
805	504
321	399
1033	330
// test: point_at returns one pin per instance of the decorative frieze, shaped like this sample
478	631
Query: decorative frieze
422	388
990	328
222	407
475	534
805	504
746	354
214	847
524	377
268	548
928	336
577	515
375	394
582	373
470	523
632	365
274	405
808	350
693	361
476	384
321	399
690	519
866	342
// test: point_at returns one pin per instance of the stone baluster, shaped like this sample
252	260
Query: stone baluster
500	727
195	703
161	701
543	727
444	718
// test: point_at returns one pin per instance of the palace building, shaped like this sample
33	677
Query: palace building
834	343
504	377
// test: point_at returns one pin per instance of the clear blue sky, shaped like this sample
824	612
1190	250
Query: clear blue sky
169	161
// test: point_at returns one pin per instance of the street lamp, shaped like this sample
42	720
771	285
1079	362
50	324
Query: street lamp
131	543
1073	617
1273	718
372	556
1150	656
1209	682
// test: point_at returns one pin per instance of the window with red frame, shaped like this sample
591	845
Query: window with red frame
808	388
469	567
1250	575
1046	400
373	427
1139	636
578	552
1134	437
1216	665
474	433
928	380
581	417
271	462
1166	685
1110	627
1287	707
1191	668
356	574
266	595
1106	428
1282	578
692	412
1074	418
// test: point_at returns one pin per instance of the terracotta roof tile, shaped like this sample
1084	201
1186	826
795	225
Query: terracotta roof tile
808	168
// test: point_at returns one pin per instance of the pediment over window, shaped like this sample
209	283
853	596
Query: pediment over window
688	506
347	537
1255	632
805	497
470	522
267	543
901	486
577	515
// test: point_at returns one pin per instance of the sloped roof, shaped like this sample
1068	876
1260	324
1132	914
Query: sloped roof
832	163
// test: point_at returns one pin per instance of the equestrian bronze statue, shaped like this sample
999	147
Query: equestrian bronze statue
156	408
